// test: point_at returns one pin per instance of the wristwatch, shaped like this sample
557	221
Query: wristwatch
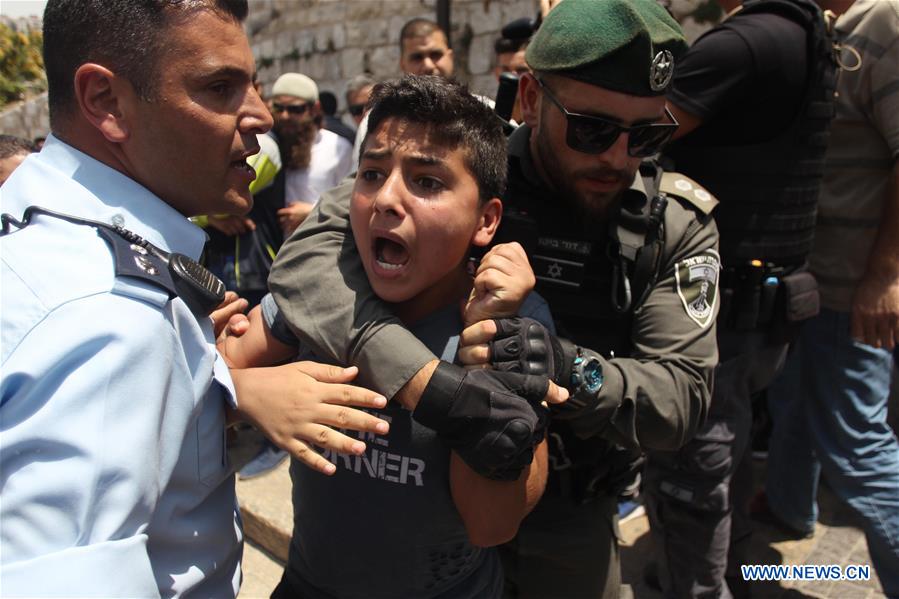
586	375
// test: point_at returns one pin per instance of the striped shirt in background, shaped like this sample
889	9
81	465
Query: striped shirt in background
864	146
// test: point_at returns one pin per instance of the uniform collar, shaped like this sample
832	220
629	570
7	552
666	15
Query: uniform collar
98	192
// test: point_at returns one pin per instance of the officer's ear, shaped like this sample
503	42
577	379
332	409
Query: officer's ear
491	214
529	99
102	97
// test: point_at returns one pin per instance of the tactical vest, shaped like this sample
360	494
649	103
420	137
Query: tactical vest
575	271
769	191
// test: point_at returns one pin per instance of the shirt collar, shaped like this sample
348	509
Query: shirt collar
99	192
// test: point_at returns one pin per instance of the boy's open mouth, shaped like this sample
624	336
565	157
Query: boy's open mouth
390	254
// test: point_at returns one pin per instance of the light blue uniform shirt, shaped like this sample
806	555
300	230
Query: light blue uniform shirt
113	468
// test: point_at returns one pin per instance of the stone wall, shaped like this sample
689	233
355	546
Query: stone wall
333	40
28	119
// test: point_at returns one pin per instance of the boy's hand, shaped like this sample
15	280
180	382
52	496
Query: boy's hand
232	307
502	282
474	349
301	404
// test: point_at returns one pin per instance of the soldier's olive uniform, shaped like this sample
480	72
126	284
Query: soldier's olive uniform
655	344
656	387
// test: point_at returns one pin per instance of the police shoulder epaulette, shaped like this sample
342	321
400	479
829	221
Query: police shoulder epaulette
688	190
133	263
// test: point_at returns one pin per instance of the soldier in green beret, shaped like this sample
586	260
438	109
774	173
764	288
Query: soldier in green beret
625	254
626	257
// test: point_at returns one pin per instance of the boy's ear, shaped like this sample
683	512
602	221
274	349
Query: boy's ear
102	98
491	214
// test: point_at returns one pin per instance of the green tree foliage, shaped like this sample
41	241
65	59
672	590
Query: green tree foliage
21	63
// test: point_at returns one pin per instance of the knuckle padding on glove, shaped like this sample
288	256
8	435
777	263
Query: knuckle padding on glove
480	415
522	345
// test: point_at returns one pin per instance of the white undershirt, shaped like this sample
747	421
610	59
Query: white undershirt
332	160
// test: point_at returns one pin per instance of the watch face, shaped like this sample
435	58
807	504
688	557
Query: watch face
592	375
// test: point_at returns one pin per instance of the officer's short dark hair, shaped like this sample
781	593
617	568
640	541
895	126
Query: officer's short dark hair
419	27
455	118
126	36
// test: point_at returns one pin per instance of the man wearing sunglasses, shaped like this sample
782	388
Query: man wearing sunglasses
626	258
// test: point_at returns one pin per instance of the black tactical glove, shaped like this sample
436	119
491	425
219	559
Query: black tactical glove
524	345
491	419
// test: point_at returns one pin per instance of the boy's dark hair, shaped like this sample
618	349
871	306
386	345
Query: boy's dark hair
454	118
126	36
419	27
10	145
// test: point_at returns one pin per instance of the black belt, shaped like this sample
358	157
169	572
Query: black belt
749	295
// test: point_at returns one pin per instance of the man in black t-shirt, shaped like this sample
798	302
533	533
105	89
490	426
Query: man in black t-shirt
746	95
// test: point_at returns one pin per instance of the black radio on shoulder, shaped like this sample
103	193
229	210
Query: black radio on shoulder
179	275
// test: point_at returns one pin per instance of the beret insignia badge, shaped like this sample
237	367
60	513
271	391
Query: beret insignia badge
661	70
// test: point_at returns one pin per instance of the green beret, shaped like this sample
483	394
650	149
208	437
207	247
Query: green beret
628	46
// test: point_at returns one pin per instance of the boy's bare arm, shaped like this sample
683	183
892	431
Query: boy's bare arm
295	405
250	343
493	510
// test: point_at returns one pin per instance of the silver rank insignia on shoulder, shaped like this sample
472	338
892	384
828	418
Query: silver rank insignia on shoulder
697	286
661	70
143	261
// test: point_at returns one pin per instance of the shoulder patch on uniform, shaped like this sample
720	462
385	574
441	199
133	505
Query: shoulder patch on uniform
697	285
685	188
136	262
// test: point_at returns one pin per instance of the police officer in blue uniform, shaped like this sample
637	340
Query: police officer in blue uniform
113	467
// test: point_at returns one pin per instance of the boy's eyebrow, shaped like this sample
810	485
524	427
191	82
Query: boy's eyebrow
427	159
376	154
423	159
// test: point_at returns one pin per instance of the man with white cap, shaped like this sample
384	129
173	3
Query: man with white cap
315	159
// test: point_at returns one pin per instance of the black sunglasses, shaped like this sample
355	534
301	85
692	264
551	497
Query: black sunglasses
356	109
297	109
595	135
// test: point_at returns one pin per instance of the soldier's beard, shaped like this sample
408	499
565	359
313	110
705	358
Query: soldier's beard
591	208
295	142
